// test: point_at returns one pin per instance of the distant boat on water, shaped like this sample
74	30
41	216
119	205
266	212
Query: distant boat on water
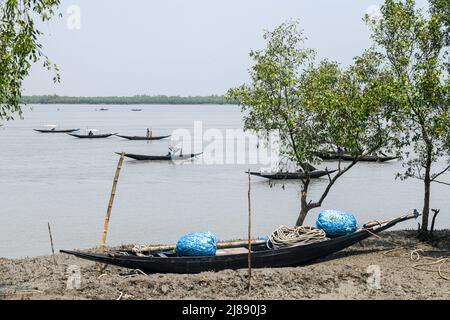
103	109
92	134
52	128
293	175
136	109
143	137
167	157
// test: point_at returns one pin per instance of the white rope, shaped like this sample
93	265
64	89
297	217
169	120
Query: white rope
284	236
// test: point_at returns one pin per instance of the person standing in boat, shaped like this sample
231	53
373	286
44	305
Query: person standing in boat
149	133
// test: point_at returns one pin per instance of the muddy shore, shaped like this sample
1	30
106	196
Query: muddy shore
377	269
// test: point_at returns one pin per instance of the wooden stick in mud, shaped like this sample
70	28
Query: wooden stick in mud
249	235
110	204
51	242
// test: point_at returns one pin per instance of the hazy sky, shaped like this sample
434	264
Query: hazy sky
183	47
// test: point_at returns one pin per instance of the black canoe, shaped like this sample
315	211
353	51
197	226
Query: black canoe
93	136
56	130
142	157
348	157
293	175
143	137
262	256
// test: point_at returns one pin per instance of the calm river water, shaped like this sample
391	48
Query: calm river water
67	181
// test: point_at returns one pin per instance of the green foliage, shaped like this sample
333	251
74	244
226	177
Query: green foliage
19	48
314	106
140	99
414	46
416	49
273	100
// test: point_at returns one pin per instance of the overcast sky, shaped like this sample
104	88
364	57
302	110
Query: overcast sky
183	47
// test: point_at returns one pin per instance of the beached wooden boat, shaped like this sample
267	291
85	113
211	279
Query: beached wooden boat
92	136
56	130
348	157
143	137
167	157
293	175
262	256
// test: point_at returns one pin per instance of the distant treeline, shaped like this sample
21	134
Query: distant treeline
141	99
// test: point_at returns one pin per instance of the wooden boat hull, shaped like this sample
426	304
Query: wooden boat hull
269	258
143	138
293	175
141	157
56	131
347	157
94	136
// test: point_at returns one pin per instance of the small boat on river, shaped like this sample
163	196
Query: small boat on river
262	255
91	134
56	130
52	128
168	157
293	175
143	137
349	157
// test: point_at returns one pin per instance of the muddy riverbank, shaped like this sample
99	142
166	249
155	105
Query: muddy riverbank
377	269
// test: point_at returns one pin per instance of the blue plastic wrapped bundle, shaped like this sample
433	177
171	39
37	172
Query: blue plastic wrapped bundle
197	244
336	223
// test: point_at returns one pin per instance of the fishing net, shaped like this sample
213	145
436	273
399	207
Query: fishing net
336	223
197	244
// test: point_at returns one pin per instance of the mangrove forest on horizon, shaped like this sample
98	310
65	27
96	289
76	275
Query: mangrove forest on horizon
138	99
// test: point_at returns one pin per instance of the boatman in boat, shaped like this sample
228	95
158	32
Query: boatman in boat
90	133
149	133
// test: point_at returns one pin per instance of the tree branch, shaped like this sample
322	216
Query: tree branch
440	173
442	182
338	175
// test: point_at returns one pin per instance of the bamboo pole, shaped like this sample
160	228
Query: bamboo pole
51	243
249	235
220	245
110	204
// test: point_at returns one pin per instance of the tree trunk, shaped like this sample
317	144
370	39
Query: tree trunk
426	200
426	205
304	205
302	216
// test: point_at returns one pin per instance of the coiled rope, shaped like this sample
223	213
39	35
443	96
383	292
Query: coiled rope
284	236
416	255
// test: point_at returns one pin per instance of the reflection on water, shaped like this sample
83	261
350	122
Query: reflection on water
66	181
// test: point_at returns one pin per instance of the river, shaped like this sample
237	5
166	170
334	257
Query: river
67	182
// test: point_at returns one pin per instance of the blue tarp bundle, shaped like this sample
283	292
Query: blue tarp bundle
336	223
197	244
